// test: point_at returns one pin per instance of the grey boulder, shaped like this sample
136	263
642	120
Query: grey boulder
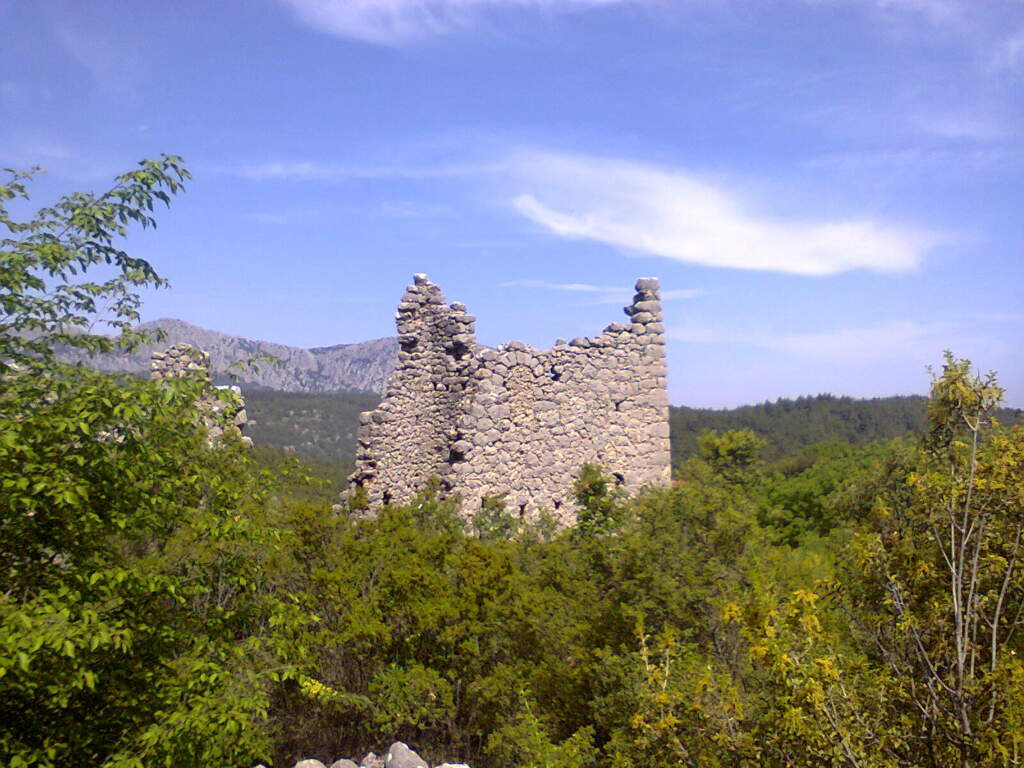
400	756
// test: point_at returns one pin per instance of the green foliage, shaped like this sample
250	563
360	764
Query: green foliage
827	486
45	297
493	520
938	586
319	428
525	742
163	602
731	451
790	425
136	625
598	499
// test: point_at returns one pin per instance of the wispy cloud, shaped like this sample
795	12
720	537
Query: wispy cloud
333	172
411	209
979	26
394	22
969	127
894	341
938	11
678	215
859	346
56	157
113	64
1009	53
603	294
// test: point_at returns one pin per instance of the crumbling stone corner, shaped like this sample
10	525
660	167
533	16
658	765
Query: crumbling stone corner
220	414
516	421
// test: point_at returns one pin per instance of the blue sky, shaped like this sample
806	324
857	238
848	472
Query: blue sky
829	190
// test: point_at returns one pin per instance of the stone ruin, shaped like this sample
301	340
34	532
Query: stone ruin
512	421
398	756
223	408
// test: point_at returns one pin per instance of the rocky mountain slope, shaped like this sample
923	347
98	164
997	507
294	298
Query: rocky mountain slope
344	367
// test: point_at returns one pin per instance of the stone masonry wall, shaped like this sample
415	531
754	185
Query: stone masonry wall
515	420
220	414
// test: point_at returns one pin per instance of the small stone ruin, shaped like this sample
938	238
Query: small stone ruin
223	407
398	756
514	422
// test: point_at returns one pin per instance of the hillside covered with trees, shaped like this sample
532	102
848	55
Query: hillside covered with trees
322	427
170	600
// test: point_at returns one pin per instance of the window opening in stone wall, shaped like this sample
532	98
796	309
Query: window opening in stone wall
556	375
620	479
522	510
386	498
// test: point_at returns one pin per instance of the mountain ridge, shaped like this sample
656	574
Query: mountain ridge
358	367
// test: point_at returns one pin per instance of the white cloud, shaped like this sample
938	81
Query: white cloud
410	209
677	215
113	64
939	12
603	294
897	341
857	346
393	22
896	345
970	127
332	172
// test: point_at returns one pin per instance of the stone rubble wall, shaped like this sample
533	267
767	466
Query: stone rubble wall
398	756
515	420
220	413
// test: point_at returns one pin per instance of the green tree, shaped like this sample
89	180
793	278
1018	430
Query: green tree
599	500
46	297
138	625
943	563
732	451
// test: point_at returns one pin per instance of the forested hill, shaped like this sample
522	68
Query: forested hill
319	427
322	427
789	425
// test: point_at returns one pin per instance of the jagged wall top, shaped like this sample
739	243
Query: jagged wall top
220	414
513	420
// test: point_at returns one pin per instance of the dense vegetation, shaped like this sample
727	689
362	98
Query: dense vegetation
788	425
164	601
319	428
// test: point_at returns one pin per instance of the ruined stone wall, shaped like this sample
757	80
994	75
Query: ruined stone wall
221	412
515	420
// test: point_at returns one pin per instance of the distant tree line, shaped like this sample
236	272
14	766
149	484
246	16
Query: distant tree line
322	427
